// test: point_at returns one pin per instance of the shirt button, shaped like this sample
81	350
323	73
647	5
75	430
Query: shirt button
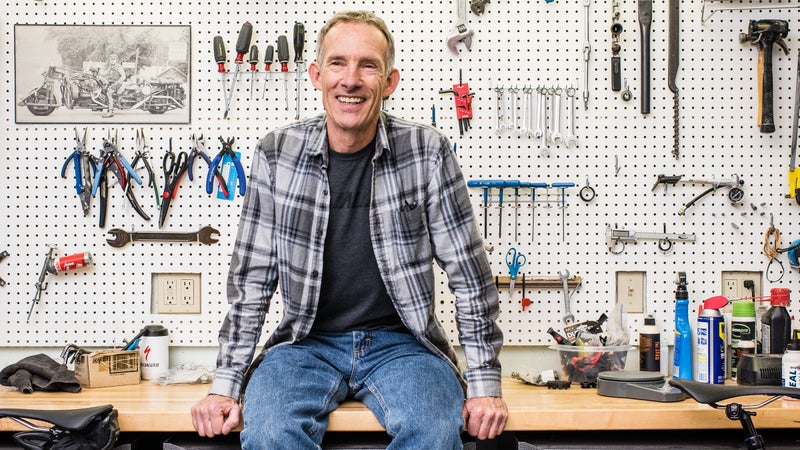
324	192
310	311
315	274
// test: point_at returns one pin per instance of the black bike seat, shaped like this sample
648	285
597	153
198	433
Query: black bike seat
68	419
712	393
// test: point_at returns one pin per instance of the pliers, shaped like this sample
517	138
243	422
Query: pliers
198	148
111	159
143	154
85	168
227	149
174	168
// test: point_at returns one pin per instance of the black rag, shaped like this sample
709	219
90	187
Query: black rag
39	372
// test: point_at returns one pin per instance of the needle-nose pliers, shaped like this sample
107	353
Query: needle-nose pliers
198	148
85	168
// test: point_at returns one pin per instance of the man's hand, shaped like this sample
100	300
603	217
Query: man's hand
215	414
485	417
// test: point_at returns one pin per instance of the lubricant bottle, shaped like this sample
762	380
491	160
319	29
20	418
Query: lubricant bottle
711	341
682	359
649	346
790	363
743	329
776	324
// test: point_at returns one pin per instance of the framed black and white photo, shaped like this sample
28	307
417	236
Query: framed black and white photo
102	74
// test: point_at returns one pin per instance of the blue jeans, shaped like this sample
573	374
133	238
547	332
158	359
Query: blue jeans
414	394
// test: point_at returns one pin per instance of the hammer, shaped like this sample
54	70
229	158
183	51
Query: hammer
765	33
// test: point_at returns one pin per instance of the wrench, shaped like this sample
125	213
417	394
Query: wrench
122	237
526	112
555	106
538	132
460	32
568	318
477	6
512	118
500	110
570	138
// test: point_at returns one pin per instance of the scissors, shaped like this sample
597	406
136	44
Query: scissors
514	260
174	168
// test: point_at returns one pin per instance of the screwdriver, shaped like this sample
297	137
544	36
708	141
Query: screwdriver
269	57
242	45
283	58
299	42
563	186
220	56
253	69
533	187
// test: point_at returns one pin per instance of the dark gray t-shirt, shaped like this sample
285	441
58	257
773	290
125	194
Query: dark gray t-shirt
353	296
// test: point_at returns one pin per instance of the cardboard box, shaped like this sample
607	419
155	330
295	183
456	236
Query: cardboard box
105	368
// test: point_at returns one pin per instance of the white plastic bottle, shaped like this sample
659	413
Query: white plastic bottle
790	363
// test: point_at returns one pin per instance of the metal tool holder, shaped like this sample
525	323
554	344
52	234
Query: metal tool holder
515	44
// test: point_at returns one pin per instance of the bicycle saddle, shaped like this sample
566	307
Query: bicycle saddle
712	393
68	419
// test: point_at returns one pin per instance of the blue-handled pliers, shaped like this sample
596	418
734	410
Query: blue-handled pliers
227	149
85	169
198	148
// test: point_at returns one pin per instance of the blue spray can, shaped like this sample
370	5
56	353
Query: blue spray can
710	356
682	362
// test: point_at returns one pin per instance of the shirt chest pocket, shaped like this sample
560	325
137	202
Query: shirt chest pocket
411	234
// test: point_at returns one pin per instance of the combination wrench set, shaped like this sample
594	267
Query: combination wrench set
537	113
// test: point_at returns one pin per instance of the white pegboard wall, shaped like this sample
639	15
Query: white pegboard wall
515	43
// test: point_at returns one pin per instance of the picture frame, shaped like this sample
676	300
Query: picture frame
102	74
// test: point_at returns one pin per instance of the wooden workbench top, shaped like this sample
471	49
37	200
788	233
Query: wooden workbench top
151	407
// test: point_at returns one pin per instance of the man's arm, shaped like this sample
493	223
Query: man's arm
215	414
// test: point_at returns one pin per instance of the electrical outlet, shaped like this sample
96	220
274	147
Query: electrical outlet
175	293
741	284
631	291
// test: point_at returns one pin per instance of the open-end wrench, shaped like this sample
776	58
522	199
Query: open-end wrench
540	112
512	112
531	112
122	237
460	32
526	112
569	137
568	318
555	114
500	110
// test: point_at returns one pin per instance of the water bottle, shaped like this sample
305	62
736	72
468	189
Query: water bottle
154	352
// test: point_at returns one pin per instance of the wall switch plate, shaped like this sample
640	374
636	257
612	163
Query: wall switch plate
631	291
175	293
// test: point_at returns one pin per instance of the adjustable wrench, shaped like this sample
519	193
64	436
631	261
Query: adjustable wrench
569	137
460	32
568	318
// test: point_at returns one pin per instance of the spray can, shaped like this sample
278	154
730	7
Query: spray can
743	329
776	324
650	346
682	361
790	364
711	341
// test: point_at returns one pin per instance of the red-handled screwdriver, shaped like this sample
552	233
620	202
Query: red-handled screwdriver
220	56
242	45
269	57
253	69
283	58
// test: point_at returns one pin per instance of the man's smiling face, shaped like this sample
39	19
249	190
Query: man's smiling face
352	76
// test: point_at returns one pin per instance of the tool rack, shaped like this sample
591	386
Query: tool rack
515	43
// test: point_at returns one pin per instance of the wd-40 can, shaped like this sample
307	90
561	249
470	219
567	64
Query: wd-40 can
711	342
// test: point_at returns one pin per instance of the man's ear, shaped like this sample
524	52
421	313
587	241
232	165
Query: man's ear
313	75
391	82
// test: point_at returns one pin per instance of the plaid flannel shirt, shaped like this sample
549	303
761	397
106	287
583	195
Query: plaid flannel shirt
419	212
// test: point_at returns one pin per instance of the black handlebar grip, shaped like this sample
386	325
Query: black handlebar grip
243	43
299	41
219	53
283	49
